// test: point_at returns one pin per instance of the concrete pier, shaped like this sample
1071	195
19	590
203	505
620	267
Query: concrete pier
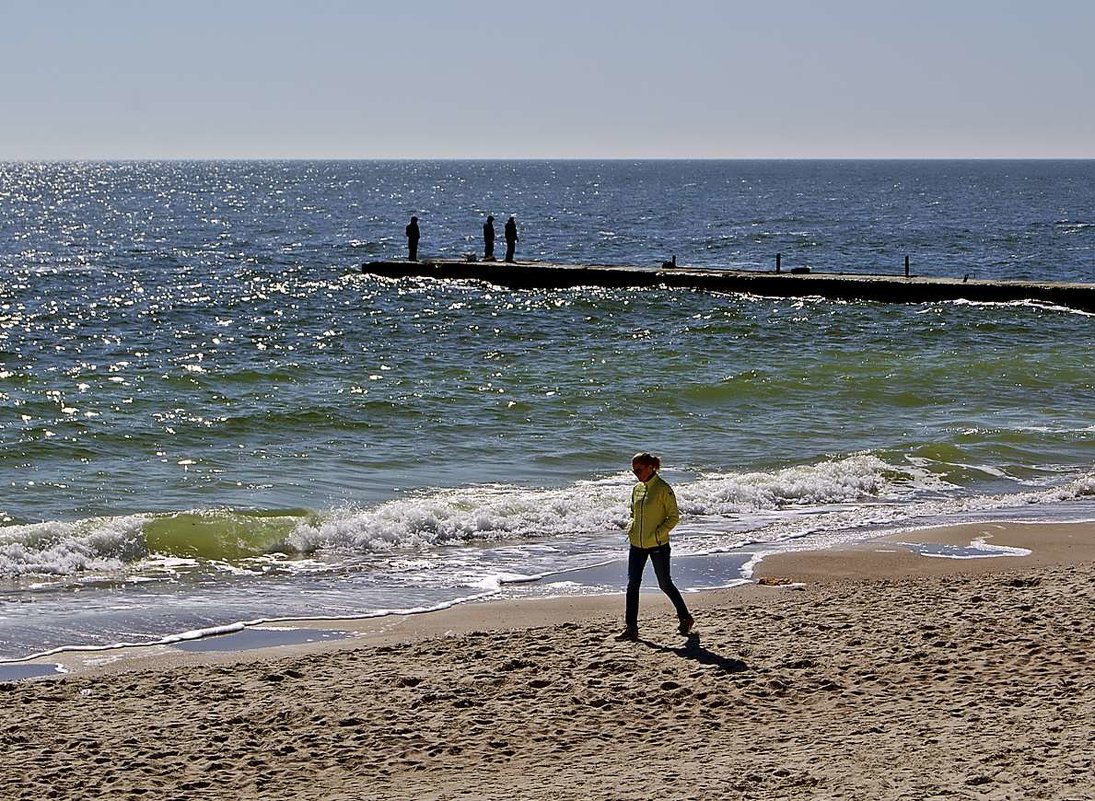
840	286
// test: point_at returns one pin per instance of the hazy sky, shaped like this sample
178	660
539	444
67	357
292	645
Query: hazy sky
559	78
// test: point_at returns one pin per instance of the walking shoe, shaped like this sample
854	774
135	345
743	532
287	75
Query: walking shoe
686	624
629	634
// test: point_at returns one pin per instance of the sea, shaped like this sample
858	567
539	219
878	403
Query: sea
211	417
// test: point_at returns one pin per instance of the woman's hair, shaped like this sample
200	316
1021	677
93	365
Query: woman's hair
648	459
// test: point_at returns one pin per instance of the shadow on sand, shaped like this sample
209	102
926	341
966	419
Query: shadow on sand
693	650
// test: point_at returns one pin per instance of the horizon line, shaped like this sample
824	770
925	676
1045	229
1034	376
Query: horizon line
141	159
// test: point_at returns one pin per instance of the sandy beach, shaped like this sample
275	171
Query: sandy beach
869	673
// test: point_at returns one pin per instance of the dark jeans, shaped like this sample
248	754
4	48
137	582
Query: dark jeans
412	249
636	563
510	248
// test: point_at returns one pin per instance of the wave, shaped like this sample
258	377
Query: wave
56	549
106	546
1072	226
477	515
502	512
1029	303
854	478
223	535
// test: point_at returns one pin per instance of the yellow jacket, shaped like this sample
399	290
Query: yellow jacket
654	513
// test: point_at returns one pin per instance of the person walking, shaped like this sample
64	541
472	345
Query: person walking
654	514
511	238
488	239
412	239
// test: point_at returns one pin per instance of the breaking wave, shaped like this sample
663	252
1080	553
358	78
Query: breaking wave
479	515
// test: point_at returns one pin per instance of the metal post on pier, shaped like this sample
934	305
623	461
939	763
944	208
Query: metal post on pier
906	266
779	258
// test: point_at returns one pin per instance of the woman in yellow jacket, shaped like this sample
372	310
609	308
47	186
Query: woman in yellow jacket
653	515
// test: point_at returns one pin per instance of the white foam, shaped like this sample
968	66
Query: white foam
231	628
835	498
984	549
493	512
839	481
1027	303
506	512
98	545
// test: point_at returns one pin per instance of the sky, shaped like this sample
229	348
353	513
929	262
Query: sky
350	79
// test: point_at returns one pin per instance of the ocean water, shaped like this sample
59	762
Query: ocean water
209	415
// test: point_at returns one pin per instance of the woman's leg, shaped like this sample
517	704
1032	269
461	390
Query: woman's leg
660	558
636	563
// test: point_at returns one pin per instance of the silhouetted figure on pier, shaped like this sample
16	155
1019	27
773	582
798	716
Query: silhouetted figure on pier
412	239
488	239
511	238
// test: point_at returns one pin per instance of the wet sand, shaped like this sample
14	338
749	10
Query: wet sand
877	673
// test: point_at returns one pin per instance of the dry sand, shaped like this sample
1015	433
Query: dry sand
884	675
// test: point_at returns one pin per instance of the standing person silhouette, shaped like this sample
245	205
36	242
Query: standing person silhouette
412	239
511	238
488	239
653	515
